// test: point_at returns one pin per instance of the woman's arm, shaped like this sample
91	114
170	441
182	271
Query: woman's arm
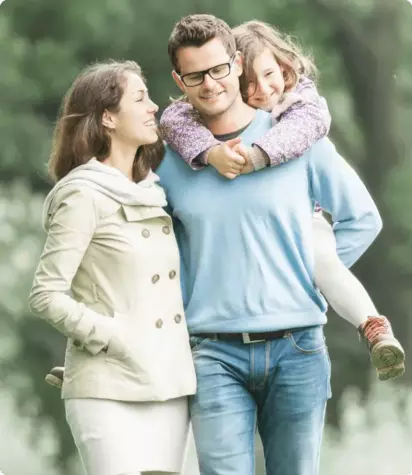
71	230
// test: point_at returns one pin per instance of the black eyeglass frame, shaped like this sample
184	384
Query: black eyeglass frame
207	71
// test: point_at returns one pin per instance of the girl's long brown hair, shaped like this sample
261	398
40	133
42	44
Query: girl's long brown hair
79	134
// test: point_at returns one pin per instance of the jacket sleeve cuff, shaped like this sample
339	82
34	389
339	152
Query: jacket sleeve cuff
93	334
258	157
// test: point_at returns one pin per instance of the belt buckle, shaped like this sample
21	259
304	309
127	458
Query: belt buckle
246	339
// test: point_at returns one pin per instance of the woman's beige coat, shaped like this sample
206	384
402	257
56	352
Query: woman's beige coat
108	279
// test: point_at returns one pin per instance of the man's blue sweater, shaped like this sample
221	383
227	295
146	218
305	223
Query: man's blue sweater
247	244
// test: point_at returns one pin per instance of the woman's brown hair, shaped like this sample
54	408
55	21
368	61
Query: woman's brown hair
253	37
80	135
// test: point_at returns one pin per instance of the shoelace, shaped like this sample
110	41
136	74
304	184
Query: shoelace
376	327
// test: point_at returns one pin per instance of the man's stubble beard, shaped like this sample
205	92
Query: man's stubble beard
214	116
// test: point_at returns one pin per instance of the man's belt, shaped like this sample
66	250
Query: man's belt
249	337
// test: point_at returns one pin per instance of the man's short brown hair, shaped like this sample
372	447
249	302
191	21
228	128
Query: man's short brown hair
197	30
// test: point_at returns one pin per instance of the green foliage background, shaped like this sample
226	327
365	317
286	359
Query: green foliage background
363	49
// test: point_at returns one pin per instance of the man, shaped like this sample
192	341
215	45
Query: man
253	313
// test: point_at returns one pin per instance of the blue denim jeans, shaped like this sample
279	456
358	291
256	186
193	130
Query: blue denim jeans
278	387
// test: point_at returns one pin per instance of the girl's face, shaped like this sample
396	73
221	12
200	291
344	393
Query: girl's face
269	85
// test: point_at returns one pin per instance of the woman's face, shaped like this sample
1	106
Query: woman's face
135	123
269	86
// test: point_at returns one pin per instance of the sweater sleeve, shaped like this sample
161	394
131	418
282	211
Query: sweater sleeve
184	130
299	127
71	229
340	191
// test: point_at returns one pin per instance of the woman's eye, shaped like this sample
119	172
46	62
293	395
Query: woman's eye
269	73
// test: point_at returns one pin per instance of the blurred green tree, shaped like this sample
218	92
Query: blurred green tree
364	54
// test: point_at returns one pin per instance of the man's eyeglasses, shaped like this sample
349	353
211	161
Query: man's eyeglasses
217	72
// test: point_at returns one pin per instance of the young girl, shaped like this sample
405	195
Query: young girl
276	79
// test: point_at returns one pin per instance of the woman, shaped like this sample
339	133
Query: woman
110	243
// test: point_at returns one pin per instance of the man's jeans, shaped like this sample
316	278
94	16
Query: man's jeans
279	387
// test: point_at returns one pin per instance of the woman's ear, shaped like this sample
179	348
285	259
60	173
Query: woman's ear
108	120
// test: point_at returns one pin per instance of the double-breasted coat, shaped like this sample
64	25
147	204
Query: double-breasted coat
108	279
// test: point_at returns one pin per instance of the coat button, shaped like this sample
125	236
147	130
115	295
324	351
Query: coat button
159	323
145	233
178	318
166	229
172	274
155	278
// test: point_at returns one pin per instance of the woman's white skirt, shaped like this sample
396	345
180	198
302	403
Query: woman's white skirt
116	437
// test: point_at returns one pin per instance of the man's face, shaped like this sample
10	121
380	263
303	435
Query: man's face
214	96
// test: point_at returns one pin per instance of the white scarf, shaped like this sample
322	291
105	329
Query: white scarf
111	182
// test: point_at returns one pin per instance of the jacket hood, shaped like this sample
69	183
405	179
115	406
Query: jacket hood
111	182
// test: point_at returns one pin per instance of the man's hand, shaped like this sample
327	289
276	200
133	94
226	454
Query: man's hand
227	161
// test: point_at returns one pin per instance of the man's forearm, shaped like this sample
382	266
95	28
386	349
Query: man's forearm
340	191
354	237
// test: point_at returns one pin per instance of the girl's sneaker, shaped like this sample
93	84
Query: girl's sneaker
387	354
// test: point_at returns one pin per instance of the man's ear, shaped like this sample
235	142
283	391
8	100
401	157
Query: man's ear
238	63
178	81
108	120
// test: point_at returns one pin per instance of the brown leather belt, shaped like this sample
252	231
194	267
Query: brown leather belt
249	337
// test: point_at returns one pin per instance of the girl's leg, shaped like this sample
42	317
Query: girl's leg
351	301
341	288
